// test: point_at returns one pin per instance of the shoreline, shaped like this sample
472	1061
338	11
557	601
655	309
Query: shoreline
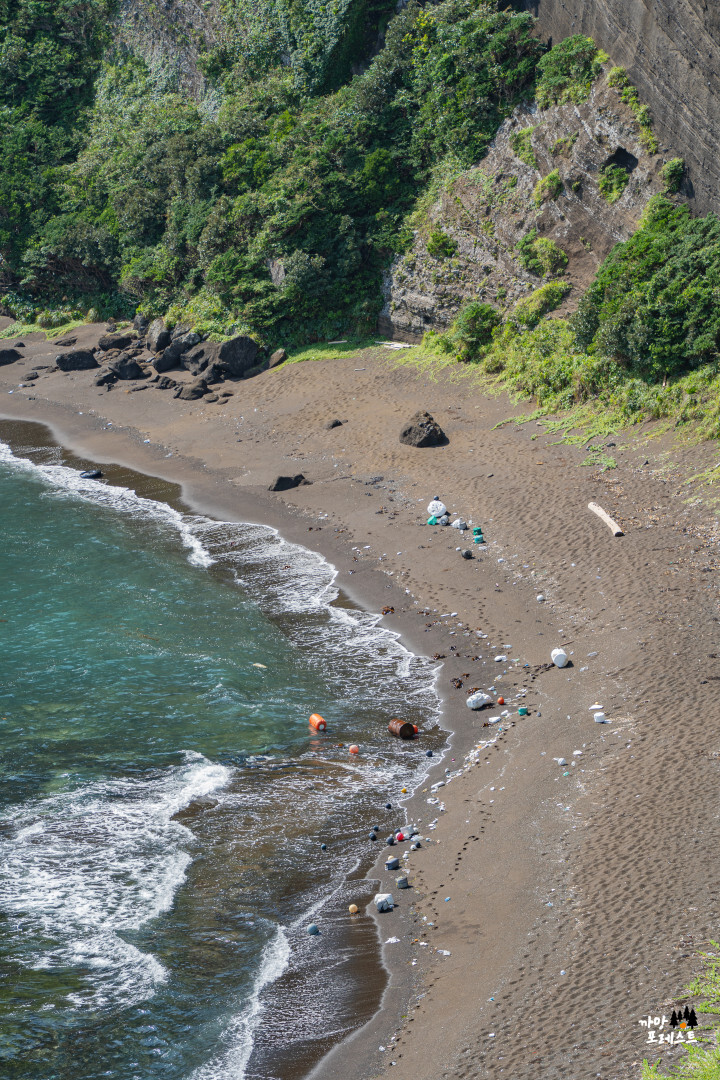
149	484
621	606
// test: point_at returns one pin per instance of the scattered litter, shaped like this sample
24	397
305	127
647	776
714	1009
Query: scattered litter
313	929
605	517
436	508
443	952
540	598
478	700
392	941
263	666
500	659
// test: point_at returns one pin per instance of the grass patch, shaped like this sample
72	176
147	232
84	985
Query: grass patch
562	147
613	181
440	245
618	78
540	255
548	297
672	174
521	143
328	351
702	1061
548	188
20	329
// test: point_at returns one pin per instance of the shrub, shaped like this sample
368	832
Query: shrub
541	255
549	187
521	143
672	174
441	245
613	181
545	299
562	147
653	304
568	71
473	329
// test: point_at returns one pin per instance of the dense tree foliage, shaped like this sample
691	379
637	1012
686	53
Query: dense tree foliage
653	306
275	207
50	54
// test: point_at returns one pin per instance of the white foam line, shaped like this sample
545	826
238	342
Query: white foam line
231	1063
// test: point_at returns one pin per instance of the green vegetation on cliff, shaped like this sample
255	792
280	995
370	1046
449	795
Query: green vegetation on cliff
643	344
275	203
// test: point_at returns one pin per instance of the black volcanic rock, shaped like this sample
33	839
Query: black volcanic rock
422	430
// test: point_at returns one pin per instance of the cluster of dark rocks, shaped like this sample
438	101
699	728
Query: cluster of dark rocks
150	349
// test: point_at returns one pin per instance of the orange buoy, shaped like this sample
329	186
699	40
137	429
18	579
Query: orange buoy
354	749
501	701
402	729
416	729
316	721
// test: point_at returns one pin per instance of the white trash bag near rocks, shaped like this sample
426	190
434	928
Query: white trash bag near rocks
384	901
458	523
559	657
436	508
478	700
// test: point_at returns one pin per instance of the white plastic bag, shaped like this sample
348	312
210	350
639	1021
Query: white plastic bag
436	508
384	901
478	700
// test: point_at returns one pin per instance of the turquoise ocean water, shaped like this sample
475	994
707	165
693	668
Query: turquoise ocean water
162	801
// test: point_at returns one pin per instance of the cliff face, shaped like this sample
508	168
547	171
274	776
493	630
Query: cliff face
671	50
486	211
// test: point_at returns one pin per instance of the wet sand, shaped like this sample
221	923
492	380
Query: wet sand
567	901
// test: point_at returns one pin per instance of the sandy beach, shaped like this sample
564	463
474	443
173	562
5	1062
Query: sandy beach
556	903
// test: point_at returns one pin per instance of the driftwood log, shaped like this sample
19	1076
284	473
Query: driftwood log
612	525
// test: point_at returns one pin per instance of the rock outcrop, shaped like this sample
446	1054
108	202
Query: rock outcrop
76	360
484	213
671	49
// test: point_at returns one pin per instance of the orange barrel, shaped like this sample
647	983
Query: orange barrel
316	721
402	729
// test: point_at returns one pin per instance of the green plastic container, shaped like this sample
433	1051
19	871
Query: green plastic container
432	520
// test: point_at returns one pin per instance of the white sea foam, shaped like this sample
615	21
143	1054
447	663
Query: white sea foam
86	865
60	888
237	1038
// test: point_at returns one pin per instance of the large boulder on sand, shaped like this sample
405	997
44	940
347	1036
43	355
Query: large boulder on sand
238	355
158	336
76	360
115	341
234	357
191	391
285	483
8	356
125	367
422	430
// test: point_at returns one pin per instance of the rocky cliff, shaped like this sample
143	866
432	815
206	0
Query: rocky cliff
671	49
545	178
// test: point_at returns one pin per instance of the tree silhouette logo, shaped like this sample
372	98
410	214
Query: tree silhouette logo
684	1019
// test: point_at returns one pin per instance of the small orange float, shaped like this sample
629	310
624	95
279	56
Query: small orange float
316	721
354	749
501	701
